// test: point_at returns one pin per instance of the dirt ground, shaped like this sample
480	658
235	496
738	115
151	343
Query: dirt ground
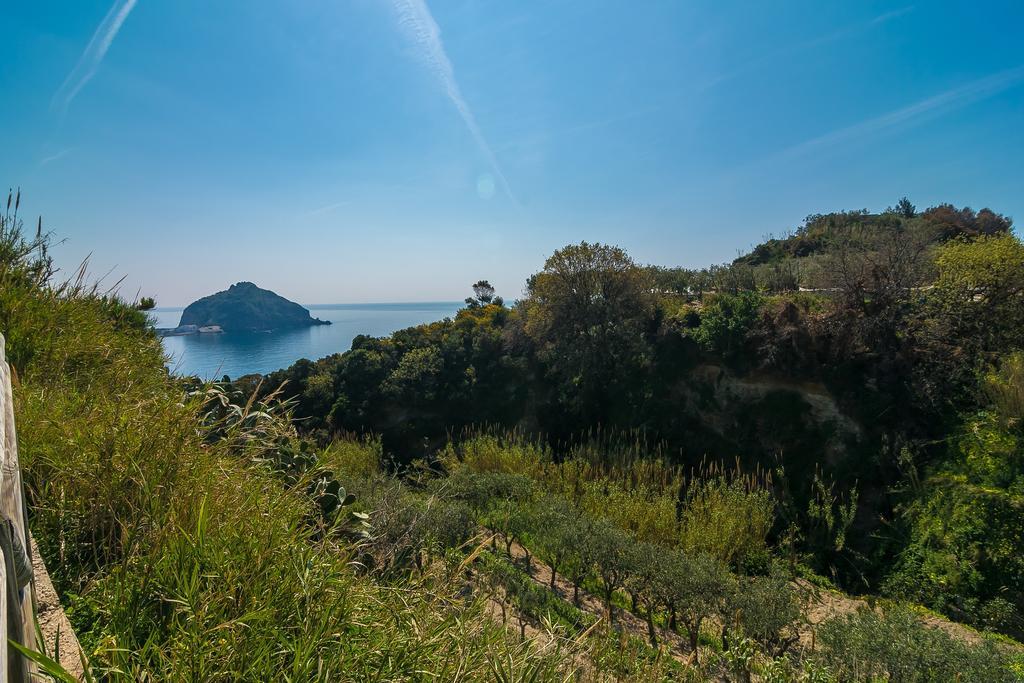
56	629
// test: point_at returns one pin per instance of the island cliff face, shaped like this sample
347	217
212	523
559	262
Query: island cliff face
244	307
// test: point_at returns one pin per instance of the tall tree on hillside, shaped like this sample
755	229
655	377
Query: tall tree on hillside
905	208
874	275
975	313
483	295
588	311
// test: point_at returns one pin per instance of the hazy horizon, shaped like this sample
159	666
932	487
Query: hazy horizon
399	151
336	304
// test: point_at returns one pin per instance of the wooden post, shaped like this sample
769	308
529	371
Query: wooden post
16	592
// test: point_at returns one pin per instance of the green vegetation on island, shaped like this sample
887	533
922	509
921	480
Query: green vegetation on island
244	307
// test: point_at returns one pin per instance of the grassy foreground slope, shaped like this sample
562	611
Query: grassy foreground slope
183	554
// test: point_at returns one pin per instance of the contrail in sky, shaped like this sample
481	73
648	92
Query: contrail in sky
93	54
970	92
796	48
53	157
414	17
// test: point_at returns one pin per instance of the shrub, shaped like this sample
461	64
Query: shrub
895	645
765	608
725	321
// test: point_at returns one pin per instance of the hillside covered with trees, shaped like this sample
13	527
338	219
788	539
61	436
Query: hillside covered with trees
632	473
866	363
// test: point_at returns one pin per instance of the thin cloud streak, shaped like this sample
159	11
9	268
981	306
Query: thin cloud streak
971	92
893	14
327	209
93	54
415	19
54	157
797	48
582	127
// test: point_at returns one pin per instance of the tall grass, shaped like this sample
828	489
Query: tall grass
713	508
185	557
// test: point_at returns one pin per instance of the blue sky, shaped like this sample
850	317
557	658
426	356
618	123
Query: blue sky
376	150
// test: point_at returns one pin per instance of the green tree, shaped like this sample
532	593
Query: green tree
557	530
965	524
611	559
725	322
449	524
970	317
978	292
645	582
483	295
765	608
587	313
416	375
699	588
904	208
506	499
580	554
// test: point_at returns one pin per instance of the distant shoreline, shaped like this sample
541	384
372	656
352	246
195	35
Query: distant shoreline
211	356
349	306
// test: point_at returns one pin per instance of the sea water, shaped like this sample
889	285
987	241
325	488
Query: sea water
212	356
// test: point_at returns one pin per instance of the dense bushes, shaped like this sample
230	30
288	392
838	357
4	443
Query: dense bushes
965	528
896	646
412	388
729	520
726	321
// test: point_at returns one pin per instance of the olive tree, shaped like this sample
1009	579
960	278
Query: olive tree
765	609
896	646
580	554
646	580
699	588
611	547
558	529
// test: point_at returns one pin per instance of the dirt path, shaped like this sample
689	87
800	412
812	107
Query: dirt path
56	629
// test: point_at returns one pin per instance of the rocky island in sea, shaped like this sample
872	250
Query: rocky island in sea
243	307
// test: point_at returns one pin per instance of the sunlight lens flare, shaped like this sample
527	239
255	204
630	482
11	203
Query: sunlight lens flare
485	186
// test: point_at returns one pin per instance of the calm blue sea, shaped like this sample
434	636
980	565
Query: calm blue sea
211	356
